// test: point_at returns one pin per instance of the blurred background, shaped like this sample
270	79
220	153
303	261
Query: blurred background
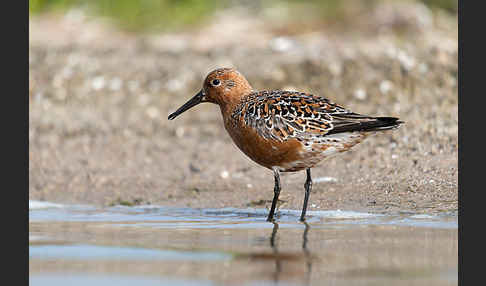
103	75
150	15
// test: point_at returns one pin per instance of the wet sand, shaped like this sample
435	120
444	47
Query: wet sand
99	100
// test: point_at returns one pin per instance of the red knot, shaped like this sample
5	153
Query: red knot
285	131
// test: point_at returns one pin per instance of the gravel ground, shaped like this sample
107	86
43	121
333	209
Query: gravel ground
99	100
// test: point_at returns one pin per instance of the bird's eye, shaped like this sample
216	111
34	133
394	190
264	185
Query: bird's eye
216	82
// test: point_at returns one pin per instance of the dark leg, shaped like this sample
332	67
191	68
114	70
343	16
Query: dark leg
308	187
276	192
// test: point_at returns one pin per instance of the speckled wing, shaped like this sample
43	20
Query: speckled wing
281	115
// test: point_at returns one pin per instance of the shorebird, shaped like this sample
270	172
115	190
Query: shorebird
285	131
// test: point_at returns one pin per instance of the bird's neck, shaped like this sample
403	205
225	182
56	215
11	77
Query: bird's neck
231	103
230	106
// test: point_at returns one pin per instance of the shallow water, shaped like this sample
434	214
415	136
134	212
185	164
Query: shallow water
151	245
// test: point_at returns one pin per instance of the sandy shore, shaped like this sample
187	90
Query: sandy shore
99	100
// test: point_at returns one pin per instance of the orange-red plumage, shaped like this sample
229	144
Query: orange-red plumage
285	131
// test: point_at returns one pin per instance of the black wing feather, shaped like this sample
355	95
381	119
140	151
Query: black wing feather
355	122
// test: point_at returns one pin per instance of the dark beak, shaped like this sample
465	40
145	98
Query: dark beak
198	98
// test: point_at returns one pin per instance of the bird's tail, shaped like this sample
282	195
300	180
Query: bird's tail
356	122
381	123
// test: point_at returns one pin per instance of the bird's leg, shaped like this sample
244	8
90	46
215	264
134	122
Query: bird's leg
276	192
308	187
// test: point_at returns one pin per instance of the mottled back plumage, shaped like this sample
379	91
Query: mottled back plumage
282	115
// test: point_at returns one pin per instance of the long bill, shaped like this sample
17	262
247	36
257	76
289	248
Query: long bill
195	100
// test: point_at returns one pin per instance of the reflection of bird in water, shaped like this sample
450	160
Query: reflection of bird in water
279	257
307	254
278	265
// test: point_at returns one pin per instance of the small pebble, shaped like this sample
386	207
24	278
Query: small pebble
405	60
282	44
224	174
152	112
324	180
98	83
360	94
385	86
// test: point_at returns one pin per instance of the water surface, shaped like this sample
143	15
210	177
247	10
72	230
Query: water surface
152	245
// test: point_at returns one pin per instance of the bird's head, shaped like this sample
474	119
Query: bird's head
223	86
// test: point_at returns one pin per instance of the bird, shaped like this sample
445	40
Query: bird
284	131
